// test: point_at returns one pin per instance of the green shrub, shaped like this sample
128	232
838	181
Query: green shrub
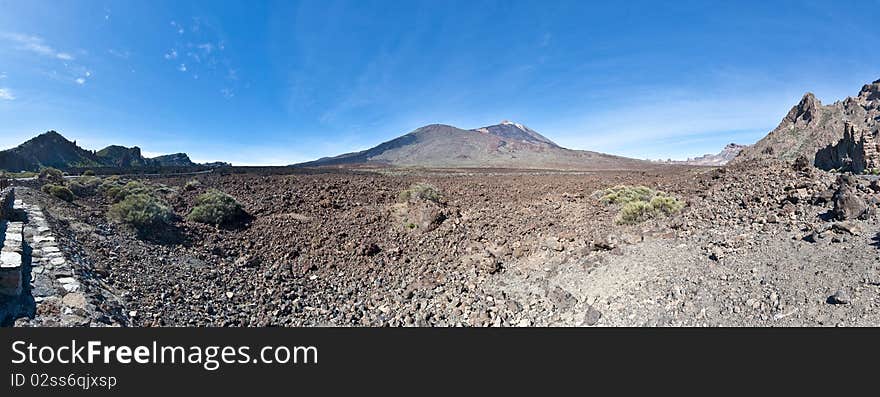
51	175
192	185
61	192
635	212
85	186
142	211
639	203
116	192
88	173
626	194
421	191
216	208
666	205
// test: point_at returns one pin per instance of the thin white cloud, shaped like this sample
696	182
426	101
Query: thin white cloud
206	47
80	80
36	45
2	75
171	54
124	54
6	94
227	93
182	67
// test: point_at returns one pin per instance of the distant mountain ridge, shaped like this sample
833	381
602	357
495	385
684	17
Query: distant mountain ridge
504	145
728	153
51	149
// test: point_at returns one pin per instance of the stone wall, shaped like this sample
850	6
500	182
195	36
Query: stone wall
7	200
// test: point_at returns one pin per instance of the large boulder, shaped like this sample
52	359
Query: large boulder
847	203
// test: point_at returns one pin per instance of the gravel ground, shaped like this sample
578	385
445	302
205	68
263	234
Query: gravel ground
500	249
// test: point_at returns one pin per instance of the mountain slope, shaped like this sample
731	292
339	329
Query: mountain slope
839	135
120	156
506	145
51	149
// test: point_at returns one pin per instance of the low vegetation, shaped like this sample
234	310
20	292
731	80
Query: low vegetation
59	191
116	190
85	186
192	185
421	191
18	175
142	211
51	175
639	203
216	208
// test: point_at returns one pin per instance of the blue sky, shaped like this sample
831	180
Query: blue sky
282	82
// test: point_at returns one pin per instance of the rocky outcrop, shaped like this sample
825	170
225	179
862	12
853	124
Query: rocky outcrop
842	135
855	152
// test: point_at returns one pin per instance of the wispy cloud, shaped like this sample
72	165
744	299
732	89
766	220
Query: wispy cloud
80	80
124	54
36	45
6	94
2	75
171	54
177	27
206	47
227	93
182	67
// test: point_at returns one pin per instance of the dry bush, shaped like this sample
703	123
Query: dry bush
421	191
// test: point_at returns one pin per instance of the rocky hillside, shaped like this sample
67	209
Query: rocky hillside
120	156
841	135
51	149
506	145
174	160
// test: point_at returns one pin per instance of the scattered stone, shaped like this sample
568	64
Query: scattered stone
247	261
840	297
852	227
562	298
592	316
75	299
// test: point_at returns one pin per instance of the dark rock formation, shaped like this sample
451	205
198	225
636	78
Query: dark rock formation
838	136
